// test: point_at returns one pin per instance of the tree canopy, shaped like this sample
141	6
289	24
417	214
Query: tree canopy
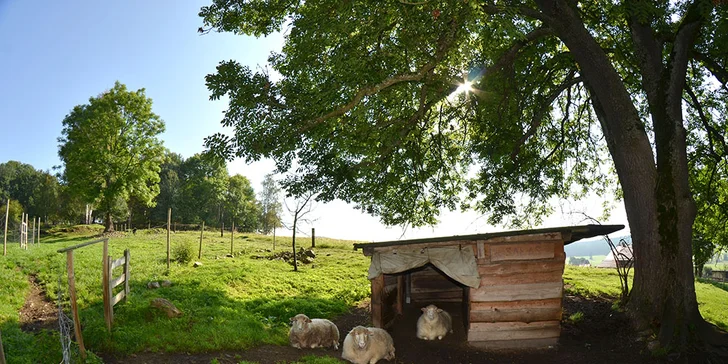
111	151
371	103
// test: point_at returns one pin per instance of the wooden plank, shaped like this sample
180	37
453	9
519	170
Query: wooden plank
553	236
506	268
400	294
74	306
105	240
522	251
118	297
504	305
2	351
377	297
481	250
480	331
530	291
117	263
368	251
117	281
105	277
516	314
515	344
127	274
522	278
111	294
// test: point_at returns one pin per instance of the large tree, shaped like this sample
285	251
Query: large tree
111	150
364	106
202	195
241	205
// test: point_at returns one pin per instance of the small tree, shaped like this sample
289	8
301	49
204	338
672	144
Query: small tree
270	205
623	264
303	206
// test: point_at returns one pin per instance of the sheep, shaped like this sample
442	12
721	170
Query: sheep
312	333
367	345
434	323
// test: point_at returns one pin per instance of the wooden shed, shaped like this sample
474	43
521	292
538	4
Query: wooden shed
508	284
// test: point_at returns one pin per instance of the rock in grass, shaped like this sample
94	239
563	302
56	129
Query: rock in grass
197	264
166	307
166	283
153	285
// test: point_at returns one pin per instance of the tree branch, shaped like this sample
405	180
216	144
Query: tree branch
507	58
712	132
714	67
537	118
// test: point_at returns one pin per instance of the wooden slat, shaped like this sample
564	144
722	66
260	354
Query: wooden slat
522	278
506	268
481	250
480	331
118	297
127	274
503	305
531	291
516	314
377	293
106	276
83	245
117	281
553	236
521	251
515	344
400	294
117	263
74	305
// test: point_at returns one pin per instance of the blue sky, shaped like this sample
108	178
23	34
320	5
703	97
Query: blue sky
56	54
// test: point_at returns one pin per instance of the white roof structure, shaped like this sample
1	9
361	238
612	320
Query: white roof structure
624	254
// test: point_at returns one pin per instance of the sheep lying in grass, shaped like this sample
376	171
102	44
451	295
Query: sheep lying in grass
312	333
367	345
434	323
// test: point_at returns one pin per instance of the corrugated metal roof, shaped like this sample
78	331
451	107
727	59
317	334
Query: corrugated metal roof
578	232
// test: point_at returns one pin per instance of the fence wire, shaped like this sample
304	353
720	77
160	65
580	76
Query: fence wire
65	327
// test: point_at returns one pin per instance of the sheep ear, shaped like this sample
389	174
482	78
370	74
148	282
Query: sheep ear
439	310
423	309
309	321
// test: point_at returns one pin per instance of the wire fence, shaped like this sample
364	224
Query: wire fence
65	327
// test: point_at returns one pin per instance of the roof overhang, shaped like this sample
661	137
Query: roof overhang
570	234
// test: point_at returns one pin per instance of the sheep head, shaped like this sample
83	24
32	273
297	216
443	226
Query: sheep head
300	322
361	336
431	311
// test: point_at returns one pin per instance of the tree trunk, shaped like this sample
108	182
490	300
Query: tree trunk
295	261
657	197
108	224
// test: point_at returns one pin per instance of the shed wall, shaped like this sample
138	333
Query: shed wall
519	301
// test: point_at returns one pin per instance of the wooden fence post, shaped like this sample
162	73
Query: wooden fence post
5	235
377	301
32	241
169	220
105	284
39	231
232	234
127	274
313	237
2	351
74	306
199	253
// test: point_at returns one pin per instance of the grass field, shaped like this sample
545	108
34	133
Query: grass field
229	303
712	300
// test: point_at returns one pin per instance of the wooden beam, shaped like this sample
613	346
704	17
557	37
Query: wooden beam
481	331
118	297
117	263
514	292
117	281
74	306
63	250
521	251
105	277
5	235
400	294
515	344
127	275
169	221
522	278
510	268
377	301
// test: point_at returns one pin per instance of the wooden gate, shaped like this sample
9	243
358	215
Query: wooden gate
110	283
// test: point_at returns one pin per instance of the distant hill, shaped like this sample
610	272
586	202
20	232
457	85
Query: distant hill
597	246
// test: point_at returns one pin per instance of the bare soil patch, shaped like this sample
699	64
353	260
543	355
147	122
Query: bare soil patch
38	312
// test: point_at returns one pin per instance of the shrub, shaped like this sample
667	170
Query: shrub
184	252
707	271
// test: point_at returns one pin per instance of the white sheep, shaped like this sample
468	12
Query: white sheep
312	333
367	345
434	323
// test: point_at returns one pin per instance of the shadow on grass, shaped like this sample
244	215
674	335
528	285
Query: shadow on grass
211	321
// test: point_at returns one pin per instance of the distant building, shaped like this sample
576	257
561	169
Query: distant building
624	257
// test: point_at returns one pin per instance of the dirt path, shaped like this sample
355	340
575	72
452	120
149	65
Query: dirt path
38	312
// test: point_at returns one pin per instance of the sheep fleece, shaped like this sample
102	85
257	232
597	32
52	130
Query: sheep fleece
437	326
318	332
377	345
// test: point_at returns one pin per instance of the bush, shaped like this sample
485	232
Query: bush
707	271
184	252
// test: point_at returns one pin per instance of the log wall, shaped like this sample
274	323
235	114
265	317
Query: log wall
519	301
429	284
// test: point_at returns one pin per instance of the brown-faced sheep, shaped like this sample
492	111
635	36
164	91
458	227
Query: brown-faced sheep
434	323
367	345
312	333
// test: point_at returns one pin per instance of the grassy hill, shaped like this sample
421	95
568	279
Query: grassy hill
228	303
